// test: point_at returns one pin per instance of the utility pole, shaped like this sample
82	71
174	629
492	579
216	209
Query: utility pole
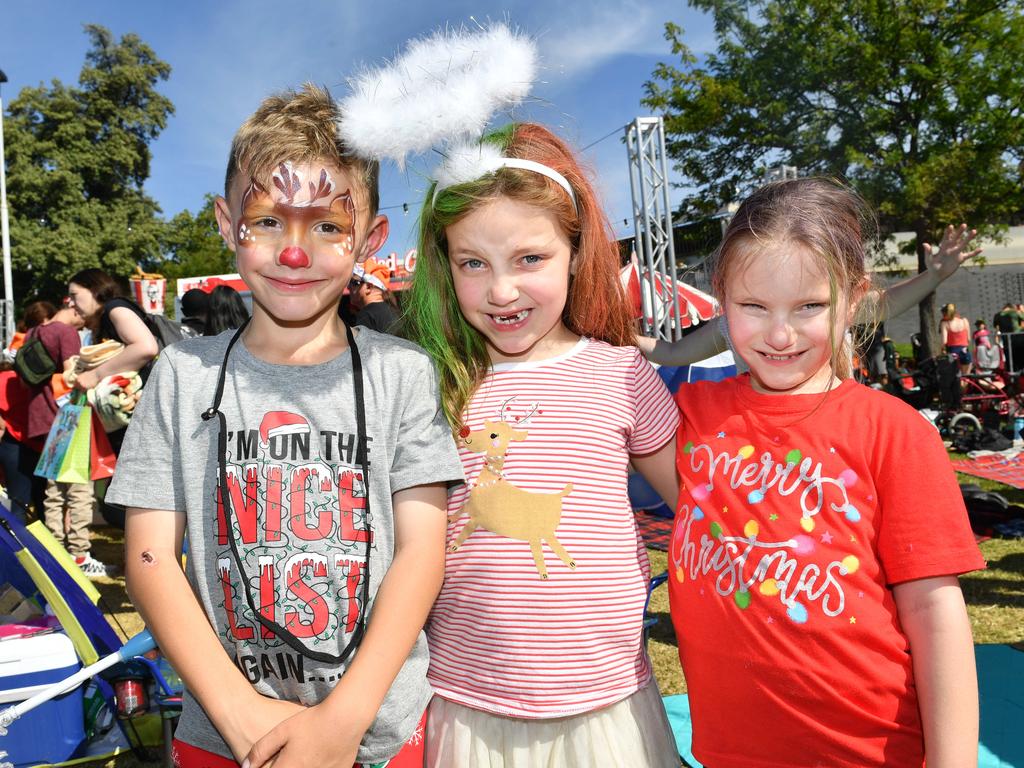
8	306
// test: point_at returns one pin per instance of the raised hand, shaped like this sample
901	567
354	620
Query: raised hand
954	249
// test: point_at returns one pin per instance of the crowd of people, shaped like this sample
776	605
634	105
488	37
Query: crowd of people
420	551
984	352
97	333
988	346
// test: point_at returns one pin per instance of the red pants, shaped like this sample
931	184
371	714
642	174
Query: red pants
410	756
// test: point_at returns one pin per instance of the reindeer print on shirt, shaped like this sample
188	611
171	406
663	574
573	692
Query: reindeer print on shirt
500	507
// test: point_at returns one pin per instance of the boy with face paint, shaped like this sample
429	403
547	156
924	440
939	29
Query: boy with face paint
331	526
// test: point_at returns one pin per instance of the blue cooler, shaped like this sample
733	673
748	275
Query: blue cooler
51	732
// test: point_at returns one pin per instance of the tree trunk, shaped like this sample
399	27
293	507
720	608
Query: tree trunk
931	339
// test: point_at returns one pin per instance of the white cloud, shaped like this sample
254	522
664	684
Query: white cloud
588	34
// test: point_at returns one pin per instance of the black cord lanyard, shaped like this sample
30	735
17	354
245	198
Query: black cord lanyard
229	514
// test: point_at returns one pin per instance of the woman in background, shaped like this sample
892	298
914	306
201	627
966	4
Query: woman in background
225	311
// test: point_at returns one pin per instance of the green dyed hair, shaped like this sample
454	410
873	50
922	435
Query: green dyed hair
433	318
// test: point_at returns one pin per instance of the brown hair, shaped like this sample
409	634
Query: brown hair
298	127
101	285
826	218
596	304
37	313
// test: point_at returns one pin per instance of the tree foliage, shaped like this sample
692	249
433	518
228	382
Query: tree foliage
77	158
917	103
192	245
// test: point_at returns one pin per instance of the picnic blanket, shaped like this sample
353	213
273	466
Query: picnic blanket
1004	467
655	528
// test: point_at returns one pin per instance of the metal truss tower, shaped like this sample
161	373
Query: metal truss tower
652	225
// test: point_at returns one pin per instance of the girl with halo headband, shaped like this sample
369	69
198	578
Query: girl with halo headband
536	643
820	529
536	639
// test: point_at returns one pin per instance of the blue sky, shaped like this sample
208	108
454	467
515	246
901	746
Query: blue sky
226	56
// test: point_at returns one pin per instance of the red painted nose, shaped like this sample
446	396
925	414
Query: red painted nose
294	257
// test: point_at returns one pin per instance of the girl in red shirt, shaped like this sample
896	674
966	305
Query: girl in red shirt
820	529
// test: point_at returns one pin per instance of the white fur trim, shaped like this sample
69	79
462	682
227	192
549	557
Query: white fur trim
444	87
468	162
288	429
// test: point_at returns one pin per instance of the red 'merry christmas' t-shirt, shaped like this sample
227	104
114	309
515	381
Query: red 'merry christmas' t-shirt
797	516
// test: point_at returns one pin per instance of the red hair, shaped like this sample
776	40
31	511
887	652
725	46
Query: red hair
597	305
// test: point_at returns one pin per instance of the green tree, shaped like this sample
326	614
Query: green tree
77	158
917	103
192	245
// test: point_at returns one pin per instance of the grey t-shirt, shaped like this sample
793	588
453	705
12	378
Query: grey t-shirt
298	499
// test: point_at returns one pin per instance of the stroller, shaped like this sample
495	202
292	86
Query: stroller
935	389
968	407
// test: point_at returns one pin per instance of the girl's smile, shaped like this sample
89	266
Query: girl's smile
510	266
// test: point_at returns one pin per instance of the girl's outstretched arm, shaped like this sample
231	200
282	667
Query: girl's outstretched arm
659	469
876	307
934	616
707	341
942	261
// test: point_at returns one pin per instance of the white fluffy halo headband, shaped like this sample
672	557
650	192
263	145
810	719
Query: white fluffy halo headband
440	94
468	162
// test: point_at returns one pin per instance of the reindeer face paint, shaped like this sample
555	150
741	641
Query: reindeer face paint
296	236
305	209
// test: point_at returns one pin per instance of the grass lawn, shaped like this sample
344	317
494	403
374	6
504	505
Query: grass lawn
995	600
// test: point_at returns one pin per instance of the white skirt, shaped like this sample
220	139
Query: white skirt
634	733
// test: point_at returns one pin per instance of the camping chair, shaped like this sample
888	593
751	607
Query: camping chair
34	563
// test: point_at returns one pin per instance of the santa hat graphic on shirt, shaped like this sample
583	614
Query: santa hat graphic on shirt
278	423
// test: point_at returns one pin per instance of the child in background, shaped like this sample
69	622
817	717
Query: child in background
312	493
67	507
820	528
536	650
986	353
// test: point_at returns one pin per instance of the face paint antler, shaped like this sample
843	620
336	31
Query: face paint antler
288	183
324	189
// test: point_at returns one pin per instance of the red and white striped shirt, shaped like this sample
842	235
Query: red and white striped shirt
547	494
